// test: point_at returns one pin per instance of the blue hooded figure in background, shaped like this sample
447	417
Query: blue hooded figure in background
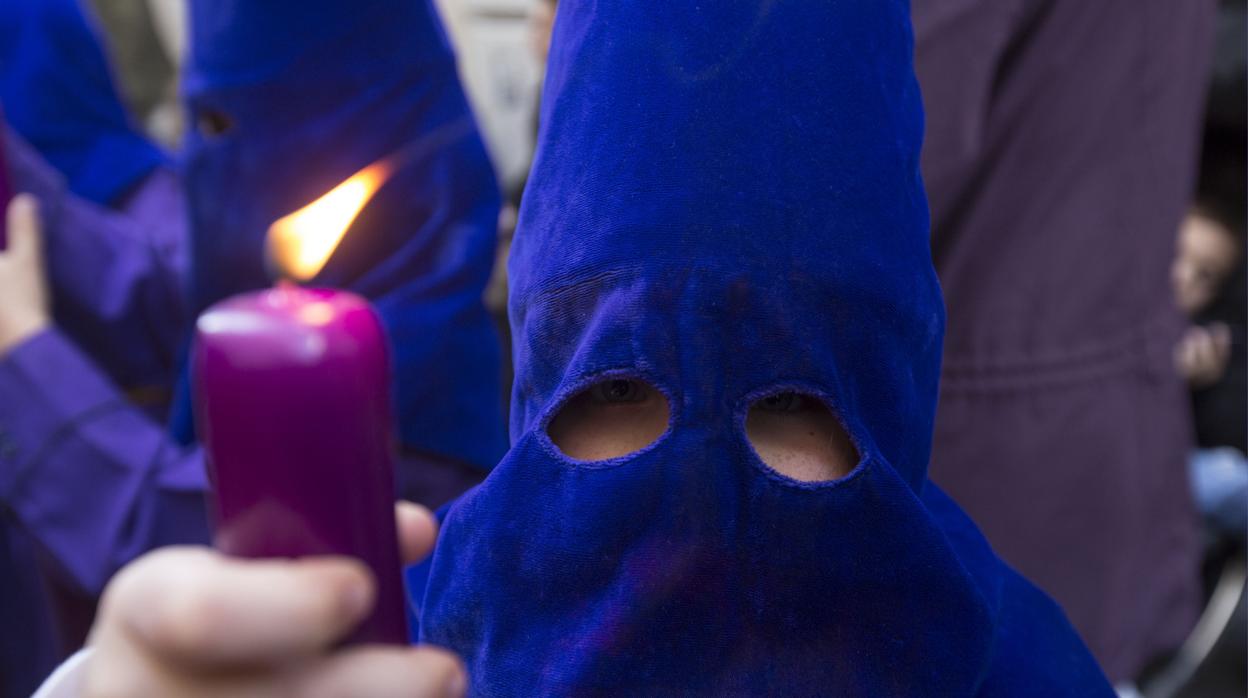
726	217
58	93
290	99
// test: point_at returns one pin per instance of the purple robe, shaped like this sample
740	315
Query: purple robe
87	479
1059	158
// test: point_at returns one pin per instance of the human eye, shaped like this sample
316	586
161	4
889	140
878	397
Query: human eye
619	391
783	403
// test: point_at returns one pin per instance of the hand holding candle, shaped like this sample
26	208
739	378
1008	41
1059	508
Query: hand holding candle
189	622
294	410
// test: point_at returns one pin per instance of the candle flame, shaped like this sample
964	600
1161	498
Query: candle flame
301	243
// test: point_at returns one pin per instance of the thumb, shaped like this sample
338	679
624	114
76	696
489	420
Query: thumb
25	230
418	529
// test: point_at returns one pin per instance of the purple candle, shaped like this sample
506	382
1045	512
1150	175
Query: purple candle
293	407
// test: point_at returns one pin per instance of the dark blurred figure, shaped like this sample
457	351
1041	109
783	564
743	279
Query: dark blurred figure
1061	147
1209	267
1209	284
1208	277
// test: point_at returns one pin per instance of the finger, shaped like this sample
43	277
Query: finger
413	672
1221	338
1204	350
24	228
418	529
195	607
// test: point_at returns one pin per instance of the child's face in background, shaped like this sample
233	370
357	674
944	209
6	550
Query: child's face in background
1206	254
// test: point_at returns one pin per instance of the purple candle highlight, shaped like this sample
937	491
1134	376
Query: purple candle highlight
293	407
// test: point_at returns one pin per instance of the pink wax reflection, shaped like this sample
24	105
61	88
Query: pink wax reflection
292	404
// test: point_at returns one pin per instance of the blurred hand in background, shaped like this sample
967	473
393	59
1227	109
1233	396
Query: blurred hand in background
25	309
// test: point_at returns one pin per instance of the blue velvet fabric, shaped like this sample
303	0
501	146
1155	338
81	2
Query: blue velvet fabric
58	93
310	92
726	203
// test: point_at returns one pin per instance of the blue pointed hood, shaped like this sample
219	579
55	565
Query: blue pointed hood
291	98
767	154
58	93
726	206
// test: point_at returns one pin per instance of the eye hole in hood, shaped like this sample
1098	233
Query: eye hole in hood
610	419
796	435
